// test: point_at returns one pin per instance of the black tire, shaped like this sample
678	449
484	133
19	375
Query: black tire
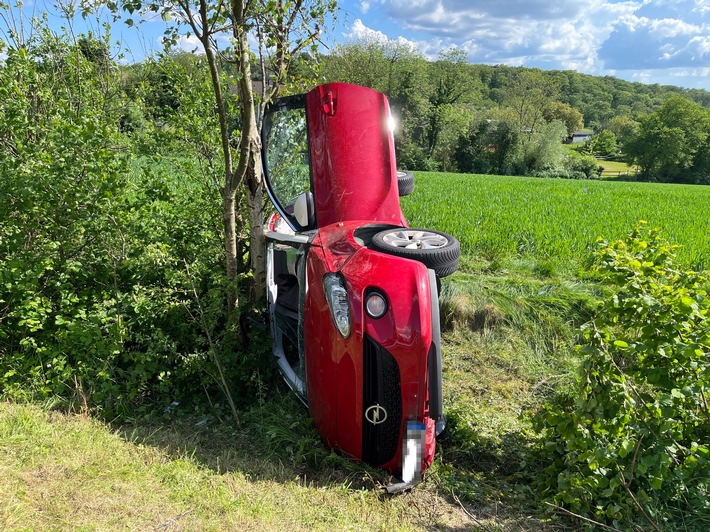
405	183
442	256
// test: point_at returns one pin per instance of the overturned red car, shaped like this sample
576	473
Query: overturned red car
352	290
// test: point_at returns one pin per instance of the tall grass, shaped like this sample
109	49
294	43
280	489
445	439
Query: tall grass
499	217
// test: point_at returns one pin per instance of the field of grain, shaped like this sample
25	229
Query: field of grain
500	217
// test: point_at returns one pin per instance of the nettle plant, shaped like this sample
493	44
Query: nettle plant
633	443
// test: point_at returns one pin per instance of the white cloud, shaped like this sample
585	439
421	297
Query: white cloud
701	43
642	76
561	34
360	32
668	27
189	44
702	7
587	36
364	6
694	73
595	36
654	41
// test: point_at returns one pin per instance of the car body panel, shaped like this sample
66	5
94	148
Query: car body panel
352	155
363	389
334	370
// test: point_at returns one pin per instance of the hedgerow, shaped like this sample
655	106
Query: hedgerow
632	444
111	265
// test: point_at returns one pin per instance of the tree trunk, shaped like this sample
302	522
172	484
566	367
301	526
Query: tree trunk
249	168
230	187
257	242
230	246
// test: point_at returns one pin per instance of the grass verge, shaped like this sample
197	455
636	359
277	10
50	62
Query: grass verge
616	169
63	471
508	341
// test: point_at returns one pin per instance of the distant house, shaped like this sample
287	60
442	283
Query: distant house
580	136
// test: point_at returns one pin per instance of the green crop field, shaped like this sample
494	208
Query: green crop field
500	217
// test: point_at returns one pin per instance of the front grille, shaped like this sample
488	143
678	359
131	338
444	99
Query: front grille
381	397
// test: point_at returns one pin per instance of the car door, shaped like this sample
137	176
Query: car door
286	164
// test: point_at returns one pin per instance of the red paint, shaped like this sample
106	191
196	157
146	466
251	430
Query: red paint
354	183
352	155
334	365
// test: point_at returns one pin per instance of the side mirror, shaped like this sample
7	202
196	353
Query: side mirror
304	210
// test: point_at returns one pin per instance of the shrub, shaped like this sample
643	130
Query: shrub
633	444
552	174
111	276
472	153
560	174
410	156
604	144
585	164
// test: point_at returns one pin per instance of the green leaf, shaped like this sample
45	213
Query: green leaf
626	447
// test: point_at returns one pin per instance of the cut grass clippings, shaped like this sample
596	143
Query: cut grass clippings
508	349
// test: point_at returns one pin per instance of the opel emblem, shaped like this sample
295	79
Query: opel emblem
376	414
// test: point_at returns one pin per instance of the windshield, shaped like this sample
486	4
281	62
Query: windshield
285	155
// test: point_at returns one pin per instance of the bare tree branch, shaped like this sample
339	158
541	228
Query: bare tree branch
586	519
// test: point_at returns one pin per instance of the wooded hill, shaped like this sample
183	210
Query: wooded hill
443	107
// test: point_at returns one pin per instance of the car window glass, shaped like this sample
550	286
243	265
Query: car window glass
287	155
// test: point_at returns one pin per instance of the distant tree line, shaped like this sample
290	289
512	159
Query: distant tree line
456	116
453	115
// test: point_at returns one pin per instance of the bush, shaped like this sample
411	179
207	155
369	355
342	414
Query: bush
560	174
132	119
471	154
585	164
604	144
410	156
552	174
111	267
544	149
633	444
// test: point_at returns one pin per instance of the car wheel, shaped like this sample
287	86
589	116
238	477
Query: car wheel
436	250
405	182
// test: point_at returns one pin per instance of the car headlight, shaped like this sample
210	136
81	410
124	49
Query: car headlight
337	297
375	305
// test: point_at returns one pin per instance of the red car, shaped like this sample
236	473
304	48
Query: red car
352	290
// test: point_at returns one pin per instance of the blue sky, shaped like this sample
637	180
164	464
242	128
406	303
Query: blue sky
651	41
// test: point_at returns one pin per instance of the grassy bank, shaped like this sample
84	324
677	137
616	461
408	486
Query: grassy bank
65	472
507	347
